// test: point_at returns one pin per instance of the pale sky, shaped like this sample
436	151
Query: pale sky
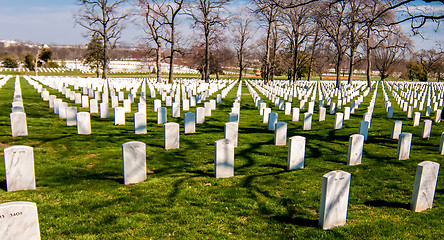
52	22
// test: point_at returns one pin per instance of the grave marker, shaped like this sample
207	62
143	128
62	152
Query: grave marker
334	199
171	135
425	185
19	168
355	148
404	144
280	134
19	126
83	123
296	153
223	158
134	162
19	221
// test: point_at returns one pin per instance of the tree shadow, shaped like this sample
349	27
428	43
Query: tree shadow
384	203
3	185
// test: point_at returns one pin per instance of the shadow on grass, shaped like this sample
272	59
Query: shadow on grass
303	222
3	185
384	203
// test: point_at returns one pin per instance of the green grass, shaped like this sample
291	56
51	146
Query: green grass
80	192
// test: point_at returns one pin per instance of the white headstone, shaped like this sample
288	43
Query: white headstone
339	119
438	115
157	104
231	132
295	115
306	124
134	162
287	108
19	168
272	120
322	113
175	110
104	110
119	116
62	110
441	145
207	107
347	113
200	115
363	129
71	116
425	185
189	122
397	129
127	105
416	119
140	123
391	109
266	115
83	123
334	199
404	144
171	135
85	102
427	129
355	148
161	115
280	134
93	106
186	105
223	158
296	153
19	126
19	221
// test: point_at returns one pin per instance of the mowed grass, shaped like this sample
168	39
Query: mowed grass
80	192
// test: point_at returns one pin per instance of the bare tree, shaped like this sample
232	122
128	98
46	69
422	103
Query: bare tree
152	12
242	31
356	31
331	19
296	27
267	12
208	14
391	52
105	18
429	59
170	16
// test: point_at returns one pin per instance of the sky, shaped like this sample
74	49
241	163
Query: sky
52	22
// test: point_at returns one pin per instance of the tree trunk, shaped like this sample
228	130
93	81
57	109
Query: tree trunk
241	58
338	70
207	55
158	71
172	50
351	66
267	55
369	60
105	58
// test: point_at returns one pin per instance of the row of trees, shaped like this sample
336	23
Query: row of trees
42	59
309	33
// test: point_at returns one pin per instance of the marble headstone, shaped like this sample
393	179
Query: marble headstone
223	158
334	199
134	162
19	126
19	168
355	148
19	220
425	185
171	135
296	153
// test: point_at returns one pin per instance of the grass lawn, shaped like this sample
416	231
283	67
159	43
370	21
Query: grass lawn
80	192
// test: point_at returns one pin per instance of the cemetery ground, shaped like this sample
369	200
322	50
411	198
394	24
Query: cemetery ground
80	192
